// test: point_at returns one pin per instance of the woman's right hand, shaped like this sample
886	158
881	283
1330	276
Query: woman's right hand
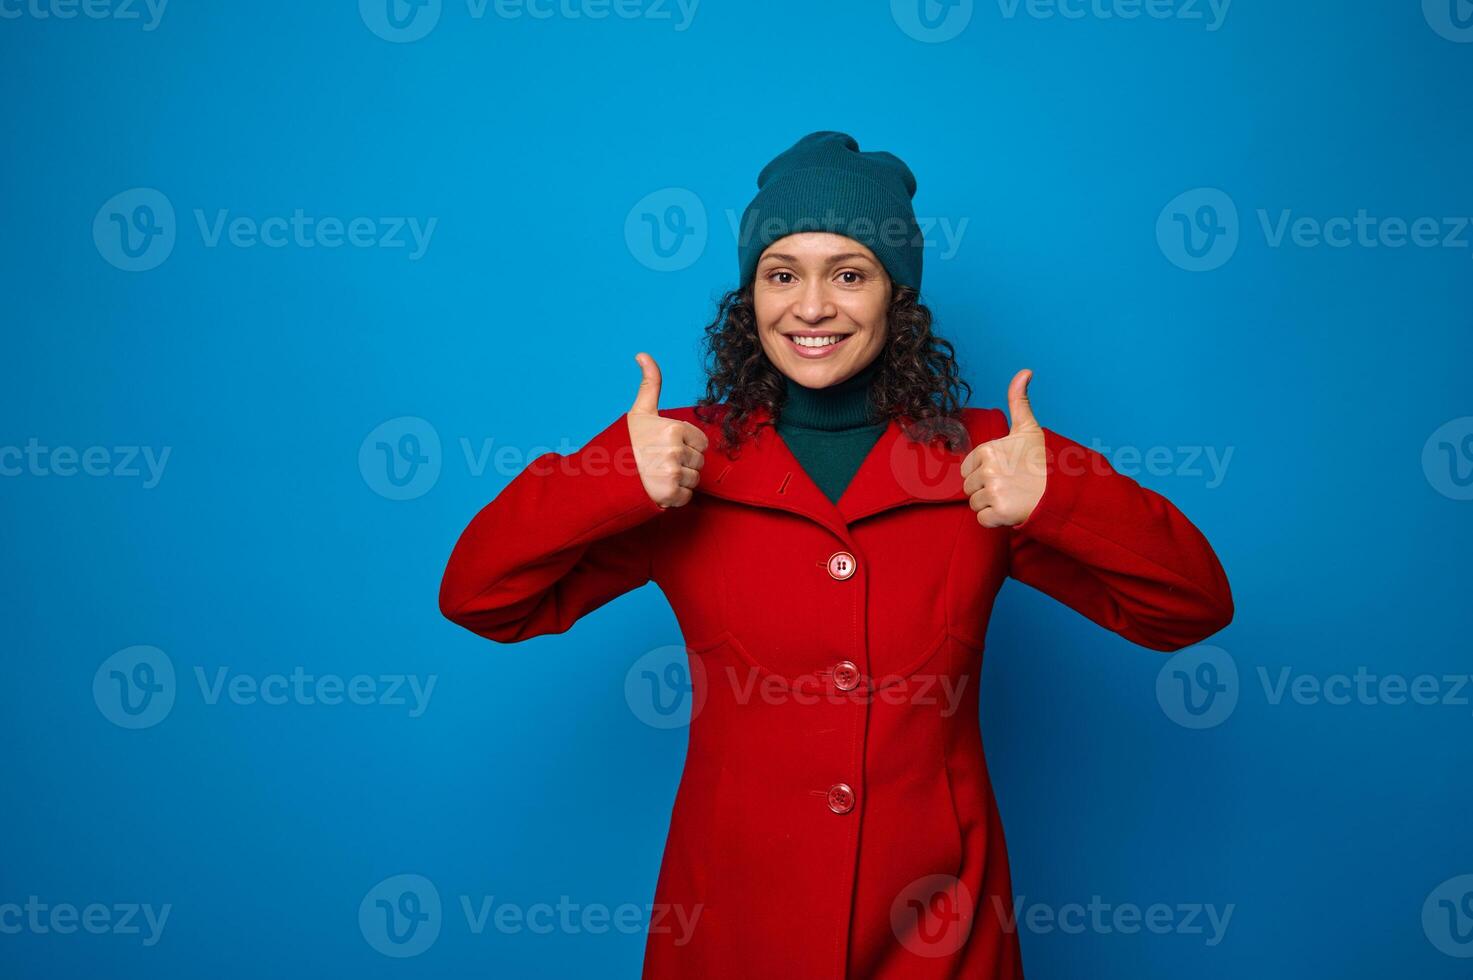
669	452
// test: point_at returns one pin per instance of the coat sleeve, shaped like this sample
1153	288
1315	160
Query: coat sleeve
1118	553
566	535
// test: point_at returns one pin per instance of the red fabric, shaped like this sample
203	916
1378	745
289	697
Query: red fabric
784	886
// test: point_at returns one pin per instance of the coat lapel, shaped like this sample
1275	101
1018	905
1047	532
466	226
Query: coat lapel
766	474
896	472
900	471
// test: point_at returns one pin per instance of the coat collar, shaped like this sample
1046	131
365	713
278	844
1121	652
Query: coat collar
897	471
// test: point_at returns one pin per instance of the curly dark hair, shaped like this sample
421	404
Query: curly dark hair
918	381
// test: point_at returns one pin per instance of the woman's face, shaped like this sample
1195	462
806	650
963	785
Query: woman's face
821	301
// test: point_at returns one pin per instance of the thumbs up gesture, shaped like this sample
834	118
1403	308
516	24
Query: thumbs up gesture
1004	478
669	452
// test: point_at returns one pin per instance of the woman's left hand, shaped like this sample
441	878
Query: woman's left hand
1004	478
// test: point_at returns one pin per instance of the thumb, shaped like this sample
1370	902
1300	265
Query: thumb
647	401
1018	405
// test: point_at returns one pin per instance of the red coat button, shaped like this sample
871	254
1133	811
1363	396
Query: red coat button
841	798
846	675
842	565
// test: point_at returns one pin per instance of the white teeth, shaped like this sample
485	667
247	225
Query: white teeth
816	341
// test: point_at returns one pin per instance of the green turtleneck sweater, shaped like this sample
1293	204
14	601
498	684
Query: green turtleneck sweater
831	430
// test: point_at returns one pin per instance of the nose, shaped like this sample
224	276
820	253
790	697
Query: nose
812	304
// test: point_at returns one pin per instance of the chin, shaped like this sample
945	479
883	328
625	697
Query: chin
818	375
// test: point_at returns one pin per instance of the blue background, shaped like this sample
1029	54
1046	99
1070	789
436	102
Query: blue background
266	546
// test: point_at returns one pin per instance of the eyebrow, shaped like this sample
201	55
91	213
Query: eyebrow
845	257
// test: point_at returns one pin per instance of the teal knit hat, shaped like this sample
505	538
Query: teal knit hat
824	183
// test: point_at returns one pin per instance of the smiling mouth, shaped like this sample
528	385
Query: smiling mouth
816	345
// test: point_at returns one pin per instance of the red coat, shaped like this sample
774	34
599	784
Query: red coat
835	816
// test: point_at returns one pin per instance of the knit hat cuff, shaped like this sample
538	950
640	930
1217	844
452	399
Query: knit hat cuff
838	201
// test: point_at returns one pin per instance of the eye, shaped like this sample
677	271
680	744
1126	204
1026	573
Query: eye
780	272
859	277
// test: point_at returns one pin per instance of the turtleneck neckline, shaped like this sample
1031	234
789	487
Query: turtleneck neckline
845	405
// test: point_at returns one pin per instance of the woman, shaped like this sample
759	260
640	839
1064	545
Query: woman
831	527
